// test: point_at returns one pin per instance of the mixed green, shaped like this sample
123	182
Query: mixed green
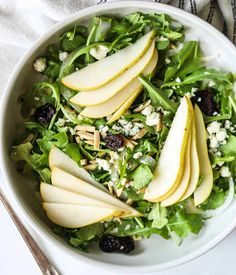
181	70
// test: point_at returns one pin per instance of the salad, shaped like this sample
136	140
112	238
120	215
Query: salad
129	134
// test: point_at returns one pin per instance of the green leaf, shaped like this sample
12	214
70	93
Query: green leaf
73	151
157	96
229	149
158	215
183	223
141	176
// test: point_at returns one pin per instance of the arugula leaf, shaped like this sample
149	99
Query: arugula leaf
158	215
229	149
73	151
141	176
157	96
183	224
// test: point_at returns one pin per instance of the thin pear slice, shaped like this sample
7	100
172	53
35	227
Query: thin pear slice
183	185
169	169
203	191
61	160
111	105
101	72
100	95
124	107
75	216
51	193
194	165
69	182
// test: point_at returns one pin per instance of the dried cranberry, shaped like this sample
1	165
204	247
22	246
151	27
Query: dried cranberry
206	102
110	243
44	114
114	141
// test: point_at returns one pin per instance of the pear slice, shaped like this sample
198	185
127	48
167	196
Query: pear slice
169	169
194	164
203	191
75	216
51	193
104	93
103	71
183	185
125	106
69	182
61	160
111	105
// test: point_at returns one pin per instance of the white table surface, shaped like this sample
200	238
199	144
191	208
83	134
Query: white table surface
15	258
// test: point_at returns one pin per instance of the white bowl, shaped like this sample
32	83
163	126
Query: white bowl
154	253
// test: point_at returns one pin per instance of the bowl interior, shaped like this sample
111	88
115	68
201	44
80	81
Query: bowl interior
154	253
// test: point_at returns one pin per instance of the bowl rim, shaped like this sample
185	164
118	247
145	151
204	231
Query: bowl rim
31	219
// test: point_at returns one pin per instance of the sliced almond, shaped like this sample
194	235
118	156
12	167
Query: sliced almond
129	202
140	134
85	135
83	162
90	167
90	142
96	140
119	192
142	106
128	143
78	140
87	128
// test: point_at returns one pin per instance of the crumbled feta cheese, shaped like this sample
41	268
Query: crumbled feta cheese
221	135
199	99
218	154
60	122
215	114
221	163
167	60
36	98
194	90
138	124
214	142
213	127
211	83
178	80
127	128
63	56
122	121
224	172
103	164
72	131
116	128
227	124
99	52
153	119
188	94
104	129
40	64
147	111
134	131
137	155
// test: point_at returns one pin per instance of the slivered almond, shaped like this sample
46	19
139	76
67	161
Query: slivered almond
133	142
87	128
129	202
83	162
159	126
128	143
172	46
119	220
140	134
90	142
142	106
96	140
78	140
110	187
85	135
29	138
119	191
93	161
90	167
